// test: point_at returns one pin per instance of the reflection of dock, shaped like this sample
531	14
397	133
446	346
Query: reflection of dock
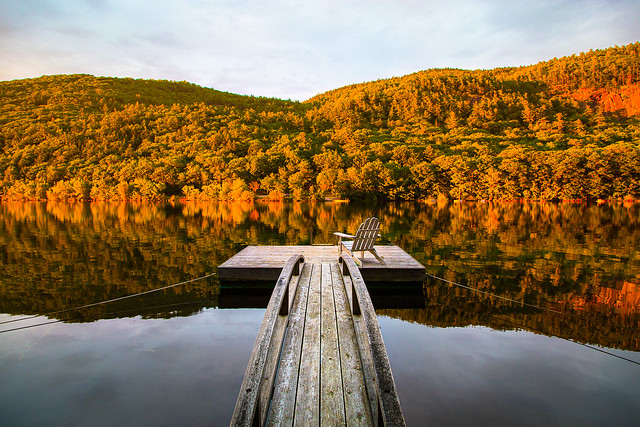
264	263
319	357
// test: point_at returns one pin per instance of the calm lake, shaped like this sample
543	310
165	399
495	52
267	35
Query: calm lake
459	357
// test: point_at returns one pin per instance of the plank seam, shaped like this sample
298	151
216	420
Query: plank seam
304	326
335	307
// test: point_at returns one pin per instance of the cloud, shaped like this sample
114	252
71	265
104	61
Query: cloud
296	49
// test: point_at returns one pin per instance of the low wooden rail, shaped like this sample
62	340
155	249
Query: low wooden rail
381	387
319	358
255	393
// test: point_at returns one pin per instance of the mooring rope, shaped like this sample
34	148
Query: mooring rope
106	301
105	315
502	297
569	340
530	328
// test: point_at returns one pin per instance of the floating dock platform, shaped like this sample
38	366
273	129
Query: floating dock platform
264	263
319	358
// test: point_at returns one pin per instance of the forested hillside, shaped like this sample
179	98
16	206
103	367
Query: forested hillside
567	128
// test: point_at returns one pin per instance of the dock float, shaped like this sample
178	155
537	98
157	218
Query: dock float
319	358
264	263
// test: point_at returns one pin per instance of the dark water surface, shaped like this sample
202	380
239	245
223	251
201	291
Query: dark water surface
459	357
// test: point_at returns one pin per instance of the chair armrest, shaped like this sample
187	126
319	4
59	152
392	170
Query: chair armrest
347	236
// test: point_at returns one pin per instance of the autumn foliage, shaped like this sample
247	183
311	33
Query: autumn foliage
566	128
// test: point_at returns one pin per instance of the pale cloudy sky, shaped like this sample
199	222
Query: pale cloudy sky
294	49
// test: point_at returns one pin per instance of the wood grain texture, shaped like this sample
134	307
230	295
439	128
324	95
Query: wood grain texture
247	407
387	395
307	403
284	395
366	359
357	409
266	262
320	364
331	396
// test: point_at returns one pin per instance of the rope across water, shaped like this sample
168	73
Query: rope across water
533	306
96	304
501	297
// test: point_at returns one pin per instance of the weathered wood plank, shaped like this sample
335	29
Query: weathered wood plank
307	404
284	396
329	365
270	368
247	405
387	395
273	358
331	396
269	255
357	406
366	359
265	262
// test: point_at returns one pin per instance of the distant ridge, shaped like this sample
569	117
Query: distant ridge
118	91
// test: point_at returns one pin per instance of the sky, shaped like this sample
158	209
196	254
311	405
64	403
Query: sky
295	49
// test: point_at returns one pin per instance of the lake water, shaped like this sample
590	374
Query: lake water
459	357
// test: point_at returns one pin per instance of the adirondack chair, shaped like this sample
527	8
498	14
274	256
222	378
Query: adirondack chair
362	241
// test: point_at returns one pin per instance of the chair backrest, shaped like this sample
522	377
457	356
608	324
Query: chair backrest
366	235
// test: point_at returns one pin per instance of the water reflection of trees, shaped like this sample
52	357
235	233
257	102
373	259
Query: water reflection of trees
576	257
593	323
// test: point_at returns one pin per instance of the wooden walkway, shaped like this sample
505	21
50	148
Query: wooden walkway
319	358
266	263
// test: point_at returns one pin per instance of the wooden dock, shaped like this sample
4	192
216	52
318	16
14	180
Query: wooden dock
319	358
264	263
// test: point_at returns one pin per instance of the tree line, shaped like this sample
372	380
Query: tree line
566	128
